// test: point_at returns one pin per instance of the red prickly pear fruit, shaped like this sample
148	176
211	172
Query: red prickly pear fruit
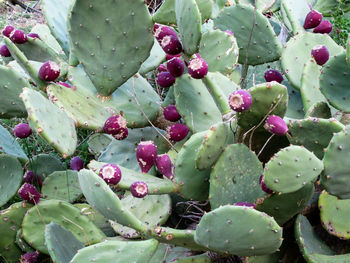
325	27
33	35
197	68
146	154
49	71
64	84
165	79
229	32
177	132
162	68
264	186
18	37
139	189
276	125
22	130
168	57
313	19
171	113
240	100
31	178
320	54
116	126
76	163
273	75
164	165
171	45
8	30
110	173
29	193
245	204
29	257
175	67
4	51
160	32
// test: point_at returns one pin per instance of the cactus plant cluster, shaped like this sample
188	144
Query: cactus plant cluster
214	106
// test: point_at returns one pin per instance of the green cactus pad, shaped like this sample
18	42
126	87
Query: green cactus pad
265	97
291	169
327	7
21	243
294	13
313	133
335	177
118	252
59	131
62	185
61	243
295	109
11	85
334	214
195	104
334	79
111	40
264	46
45	34
9	145
189	21
194	184
348	51
212	146
156	57
298	51
62	213
262	5
219	49
203	258
99	142
283	207
17	67
319	110
239	230
235	177
45	164
10	222
11	174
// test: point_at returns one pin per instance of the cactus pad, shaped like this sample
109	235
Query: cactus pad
45	164
9	145
99	142
156	57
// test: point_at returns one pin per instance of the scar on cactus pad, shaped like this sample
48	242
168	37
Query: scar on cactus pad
146	154
116	126
240	100
139	189
49	71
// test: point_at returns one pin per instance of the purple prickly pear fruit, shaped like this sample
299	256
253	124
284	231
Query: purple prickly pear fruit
110	173
33	35
4	51
177	132
171	45
171	113
29	257
64	84
325	27
49	71
276	125
273	75
76	163
313	19
18	37
8	30
164	165
168	56
29	193
176	67
139	189
162	68
264	186
161	31
229	32
22	130
240	100
116	126
146	154
197	68
245	204
320	54
165	79
31	178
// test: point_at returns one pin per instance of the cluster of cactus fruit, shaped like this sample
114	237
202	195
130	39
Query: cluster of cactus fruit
247	132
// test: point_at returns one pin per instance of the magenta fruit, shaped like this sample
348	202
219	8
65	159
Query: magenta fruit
110	173
4	51
31	178
171	45
8	30
116	126
33	35
273	75
139	189
22	130
197	68
64	84
164	165
264	186
49	71
146	154
165	79
18	37
320	54
276	125
177	132
168	56
162	68
240	100
175	67
171	113
29	257
245	204
76	163
324	27
162	31
313	19
29	193
229	32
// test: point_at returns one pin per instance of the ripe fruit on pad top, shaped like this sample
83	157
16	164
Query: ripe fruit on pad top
176	67
29	257
49	71
168	56
22	130
171	113
146	154
64	84
162	68
171	45
177	132
165	79
160	32
197	68
31	178
164	165
29	193
8	30
110	173
313	19
240	100
321	54
276	125
4	51
116	126
324	27
273	75
33	35
18	37
264	186
139	189
76	163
